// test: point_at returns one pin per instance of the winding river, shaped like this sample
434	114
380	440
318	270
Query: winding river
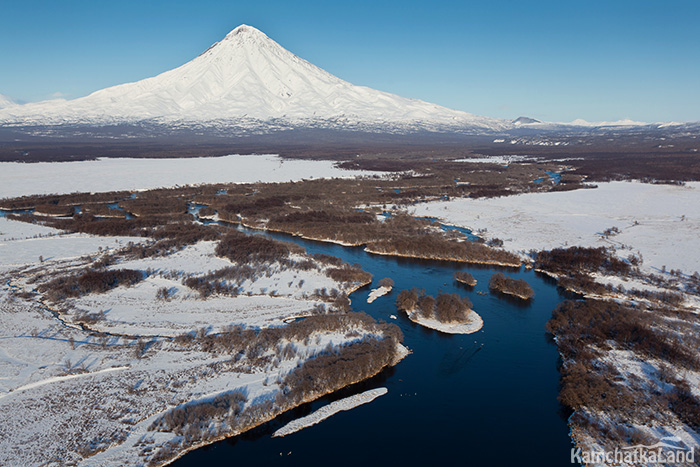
483	399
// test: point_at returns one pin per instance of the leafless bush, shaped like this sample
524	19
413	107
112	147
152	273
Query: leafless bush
465	278
446	308
89	281
517	287
242	248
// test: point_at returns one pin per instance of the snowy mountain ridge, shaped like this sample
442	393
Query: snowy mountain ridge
247	79
6	101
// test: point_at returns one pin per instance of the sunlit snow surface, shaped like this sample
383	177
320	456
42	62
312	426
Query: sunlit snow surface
660	221
17	179
329	410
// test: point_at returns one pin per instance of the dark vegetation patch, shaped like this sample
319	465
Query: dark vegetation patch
241	248
192	418
465	278
499	282
437	247
574	260
89	281
348	273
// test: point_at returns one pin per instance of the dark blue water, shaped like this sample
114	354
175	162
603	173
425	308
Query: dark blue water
484	399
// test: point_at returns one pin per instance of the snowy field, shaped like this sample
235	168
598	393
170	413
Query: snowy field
89	398
17	179
23	243
269	299
662	222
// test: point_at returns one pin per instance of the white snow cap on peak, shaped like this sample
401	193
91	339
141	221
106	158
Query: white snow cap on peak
245	29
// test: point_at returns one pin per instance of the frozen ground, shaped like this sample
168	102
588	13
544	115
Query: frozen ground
17	179
276	295
23	243
662	222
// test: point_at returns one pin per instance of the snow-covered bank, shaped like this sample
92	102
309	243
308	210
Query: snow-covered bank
329	410
662	222
113	174
473	324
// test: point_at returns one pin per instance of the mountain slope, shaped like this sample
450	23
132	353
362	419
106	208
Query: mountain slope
6	101
248	77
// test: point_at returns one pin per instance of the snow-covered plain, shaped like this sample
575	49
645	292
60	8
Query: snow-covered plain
114	174
23	243
276	296
662	222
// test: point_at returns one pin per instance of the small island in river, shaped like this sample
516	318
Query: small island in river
507	285
465	278
448	313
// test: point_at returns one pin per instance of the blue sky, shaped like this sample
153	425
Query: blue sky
552	60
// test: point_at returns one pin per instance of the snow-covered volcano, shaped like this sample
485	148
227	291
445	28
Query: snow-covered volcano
248	77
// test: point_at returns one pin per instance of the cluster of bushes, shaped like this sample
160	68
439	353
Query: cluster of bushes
89	224
583	283
54	210
241	248
447	308
580	259
323	217
465	278
246	206
155	203
507	285
193	418
89	281
33	201
348	273
185	233
438	247
338	368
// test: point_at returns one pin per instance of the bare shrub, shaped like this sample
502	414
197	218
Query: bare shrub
465	278
517	287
